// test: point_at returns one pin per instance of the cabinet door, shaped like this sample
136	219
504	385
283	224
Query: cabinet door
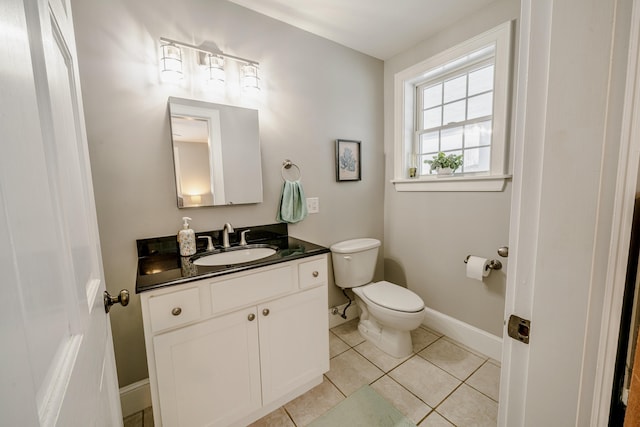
294	341
209	373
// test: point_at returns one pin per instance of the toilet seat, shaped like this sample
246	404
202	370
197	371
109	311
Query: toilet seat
393	297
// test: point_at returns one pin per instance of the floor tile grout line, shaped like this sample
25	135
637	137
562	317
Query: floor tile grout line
431	412
479	391
461	381
336	355
338	336
442	369
448	420
484	394
443	400
410	392
376	365
434	409
453	391
290	416
485	359
332	383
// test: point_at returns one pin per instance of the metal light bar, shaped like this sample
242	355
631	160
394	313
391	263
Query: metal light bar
212	52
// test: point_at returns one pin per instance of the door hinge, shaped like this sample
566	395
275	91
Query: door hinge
519	328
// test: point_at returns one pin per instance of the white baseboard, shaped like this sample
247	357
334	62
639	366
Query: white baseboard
135	397
336	319
474	338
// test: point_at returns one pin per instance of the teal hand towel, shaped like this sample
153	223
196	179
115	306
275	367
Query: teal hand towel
293	205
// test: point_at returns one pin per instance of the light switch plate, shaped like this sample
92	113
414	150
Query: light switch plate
313	205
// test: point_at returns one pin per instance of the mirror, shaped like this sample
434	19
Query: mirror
216	153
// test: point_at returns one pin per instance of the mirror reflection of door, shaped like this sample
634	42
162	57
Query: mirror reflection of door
194	171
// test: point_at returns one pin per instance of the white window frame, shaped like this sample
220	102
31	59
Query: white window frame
405	84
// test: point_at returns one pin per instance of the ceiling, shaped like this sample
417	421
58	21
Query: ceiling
379	28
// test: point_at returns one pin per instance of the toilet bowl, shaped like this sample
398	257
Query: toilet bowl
388	312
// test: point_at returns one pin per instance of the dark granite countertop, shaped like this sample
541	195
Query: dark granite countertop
160	263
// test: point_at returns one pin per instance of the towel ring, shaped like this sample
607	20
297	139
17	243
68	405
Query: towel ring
287	165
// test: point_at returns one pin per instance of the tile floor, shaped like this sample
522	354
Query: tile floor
441	384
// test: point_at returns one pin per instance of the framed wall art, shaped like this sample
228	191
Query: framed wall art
348	160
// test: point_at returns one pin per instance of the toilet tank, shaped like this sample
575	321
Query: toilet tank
354	261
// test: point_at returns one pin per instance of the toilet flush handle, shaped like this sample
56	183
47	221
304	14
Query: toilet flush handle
347	258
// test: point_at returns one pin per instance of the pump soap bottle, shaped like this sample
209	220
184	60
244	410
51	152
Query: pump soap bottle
187	238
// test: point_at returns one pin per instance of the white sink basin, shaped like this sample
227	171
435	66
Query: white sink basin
237	255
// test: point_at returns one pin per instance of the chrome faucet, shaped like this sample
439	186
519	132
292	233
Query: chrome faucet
228	228
243	237
210	246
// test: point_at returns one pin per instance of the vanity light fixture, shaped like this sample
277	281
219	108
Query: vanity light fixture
214	62
171	62
250	79
215	68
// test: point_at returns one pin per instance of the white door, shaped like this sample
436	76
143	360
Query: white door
561	208
57	355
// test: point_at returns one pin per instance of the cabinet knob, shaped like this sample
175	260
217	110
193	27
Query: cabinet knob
265	312
251	317
315	274
176	311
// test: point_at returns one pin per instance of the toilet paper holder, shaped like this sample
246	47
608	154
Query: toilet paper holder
494	264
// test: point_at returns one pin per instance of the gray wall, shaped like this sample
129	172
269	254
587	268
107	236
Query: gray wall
314	91
429	234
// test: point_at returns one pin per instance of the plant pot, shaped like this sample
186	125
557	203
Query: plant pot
444	172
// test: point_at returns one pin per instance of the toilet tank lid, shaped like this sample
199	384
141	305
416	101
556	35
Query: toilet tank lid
354	245
394	297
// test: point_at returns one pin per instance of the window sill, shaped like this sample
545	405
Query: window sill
455	183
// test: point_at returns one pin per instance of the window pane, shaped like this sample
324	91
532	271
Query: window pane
423	167
432	96
455	88
454	112
429	142
479	106
481	80
477	159
451	139
432	118
477	134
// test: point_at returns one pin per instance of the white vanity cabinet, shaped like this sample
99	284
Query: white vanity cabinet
228	350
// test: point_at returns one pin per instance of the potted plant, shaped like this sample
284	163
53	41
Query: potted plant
445	165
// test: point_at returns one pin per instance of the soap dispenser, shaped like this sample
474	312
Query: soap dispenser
187	238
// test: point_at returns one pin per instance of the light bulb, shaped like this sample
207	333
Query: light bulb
250	80
171	63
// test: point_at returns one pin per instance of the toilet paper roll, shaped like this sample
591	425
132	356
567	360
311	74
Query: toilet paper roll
477	268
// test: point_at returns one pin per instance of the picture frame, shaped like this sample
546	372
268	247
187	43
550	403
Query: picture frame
348	160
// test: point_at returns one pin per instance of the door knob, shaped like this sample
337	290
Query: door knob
122	298
265	312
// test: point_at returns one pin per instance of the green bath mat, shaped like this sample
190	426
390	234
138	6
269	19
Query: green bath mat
364	408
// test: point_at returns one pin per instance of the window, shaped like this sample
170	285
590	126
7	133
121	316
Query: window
455	102
455	116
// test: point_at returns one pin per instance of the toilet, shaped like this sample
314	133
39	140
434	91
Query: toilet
388	312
